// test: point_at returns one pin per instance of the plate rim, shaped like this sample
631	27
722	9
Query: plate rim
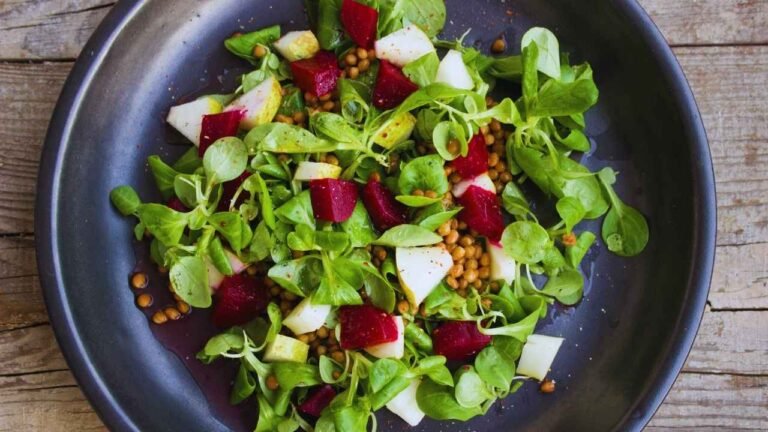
93	55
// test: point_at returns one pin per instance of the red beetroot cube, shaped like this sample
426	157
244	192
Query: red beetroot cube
476	160
239	299
317	75
360	22
392	86
459	340
217	126
229	189
333	200
365	325
317	400
482	212
385	211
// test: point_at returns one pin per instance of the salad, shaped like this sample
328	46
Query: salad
355	215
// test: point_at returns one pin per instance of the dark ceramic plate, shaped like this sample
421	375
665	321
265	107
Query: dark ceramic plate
625	343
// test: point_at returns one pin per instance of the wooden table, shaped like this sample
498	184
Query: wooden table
723	47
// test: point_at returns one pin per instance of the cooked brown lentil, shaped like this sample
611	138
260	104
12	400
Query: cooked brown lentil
272	383
183	307
139	280
172	313
547	386
144	300
159	318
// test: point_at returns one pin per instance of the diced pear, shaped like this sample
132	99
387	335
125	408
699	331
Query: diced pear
286	349
234	262
453	71
404	46
395	130
503	266
316	170
420	270
306	317
406	406
297	45
259	105
482	181
394	349
188	118
214	275
539	352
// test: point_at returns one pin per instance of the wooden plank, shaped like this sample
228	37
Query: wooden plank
731	342
710	22
48	29
710	403
30	350
740	279
27	94
48	401
53	29
729	84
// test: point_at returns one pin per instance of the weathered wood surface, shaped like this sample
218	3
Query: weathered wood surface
722	47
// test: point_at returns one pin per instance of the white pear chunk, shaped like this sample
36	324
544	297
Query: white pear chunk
297	45
420	270
394	349
539	352
259	105
404	46
234	262
214	275
307	317
307	171
503	266
453	72
404	405
482	181
286	349
188	118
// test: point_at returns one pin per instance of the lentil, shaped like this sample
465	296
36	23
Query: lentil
159	318
144	300
338	356
272	383
172	313
139	280
569	239
452	237
183	307
547	386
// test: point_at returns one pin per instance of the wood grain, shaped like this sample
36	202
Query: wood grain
710	403
48	29
49	401
710	22
56	29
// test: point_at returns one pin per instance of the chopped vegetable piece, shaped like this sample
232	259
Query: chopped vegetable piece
360	22
217	126
476	160
333	200
459	340
385	211
392	86
317	75
364	326
317	400
482	212
239	299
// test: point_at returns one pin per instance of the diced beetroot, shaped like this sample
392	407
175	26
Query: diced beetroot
317	75
459	340
229	189
239	299
476	160
333	200
385	211
365	325
317	400
217	126
360	21
482	212
392	86
176	204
